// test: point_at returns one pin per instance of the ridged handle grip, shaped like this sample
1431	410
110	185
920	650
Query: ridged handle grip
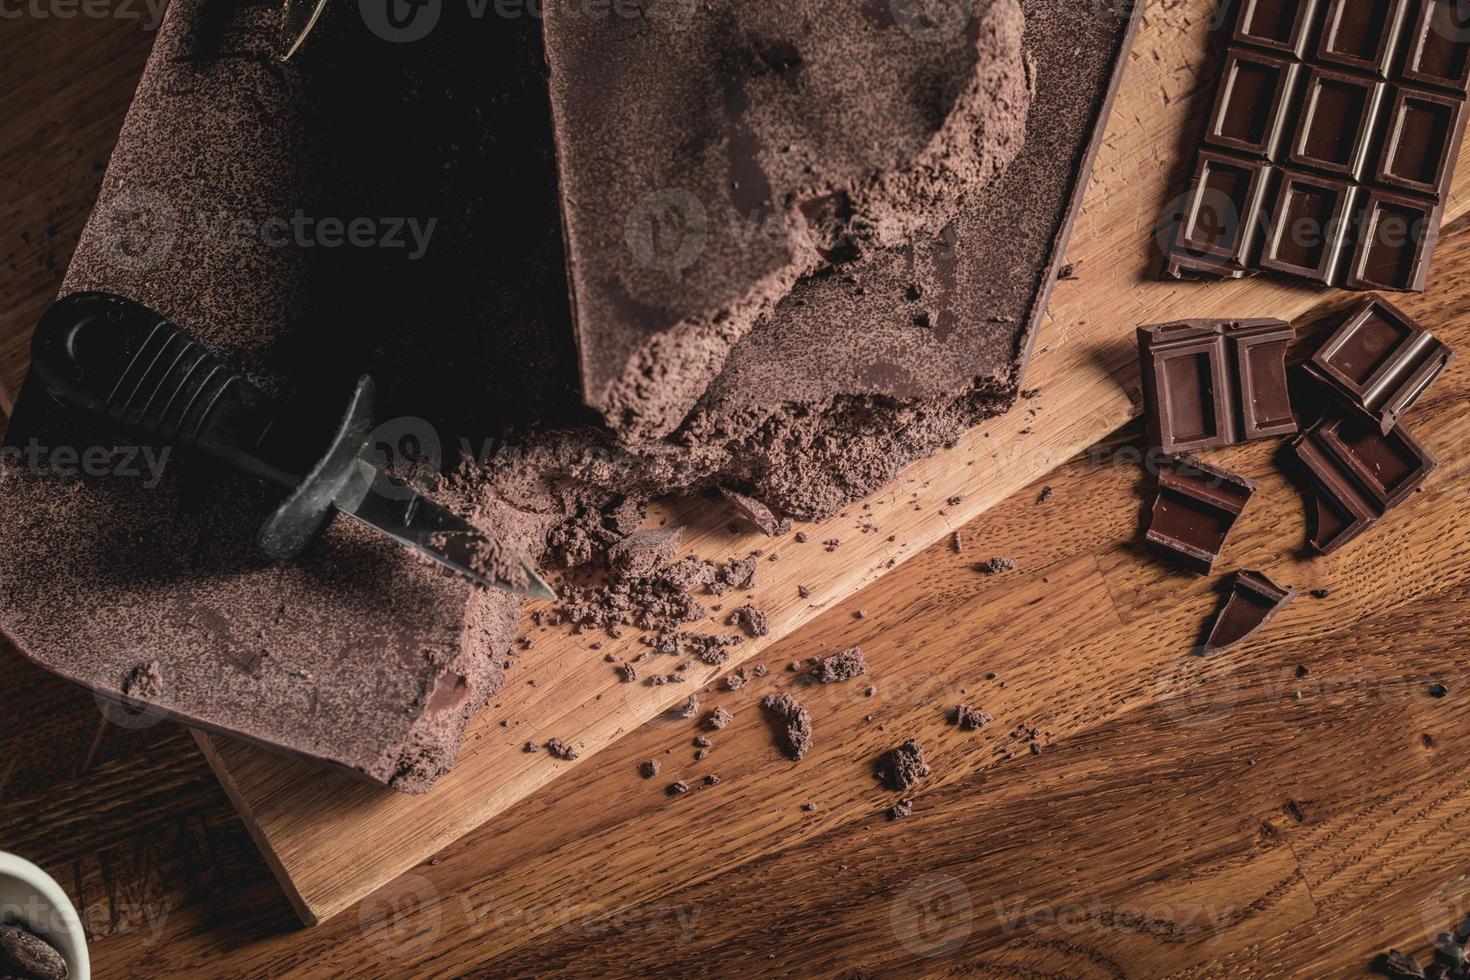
120	360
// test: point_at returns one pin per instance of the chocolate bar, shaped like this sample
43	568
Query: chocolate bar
1329	150
1380	361
1358	473
1195	509
1211	383
1254	601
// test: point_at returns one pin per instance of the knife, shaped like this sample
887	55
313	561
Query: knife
118	360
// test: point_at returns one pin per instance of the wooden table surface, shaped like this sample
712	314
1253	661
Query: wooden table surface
1291	808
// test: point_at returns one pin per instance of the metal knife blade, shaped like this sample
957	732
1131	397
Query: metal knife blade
402	513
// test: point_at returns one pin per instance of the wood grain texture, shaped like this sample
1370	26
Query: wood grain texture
1085	371
1186	817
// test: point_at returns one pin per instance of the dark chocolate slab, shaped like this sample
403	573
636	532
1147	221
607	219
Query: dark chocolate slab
1331	144
1254	601
1358	473
1379	361
1196	506
1211	383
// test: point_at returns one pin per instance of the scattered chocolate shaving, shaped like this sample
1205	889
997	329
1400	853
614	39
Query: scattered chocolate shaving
996	566
643	553
840	667
798	723
560	750
750	619
969	719
765	519
903	767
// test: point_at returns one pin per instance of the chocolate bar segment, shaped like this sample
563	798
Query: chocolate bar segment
1439	46
1331	145
1211	383
1358	474
1195	509
1282	25
1254	601
1380	361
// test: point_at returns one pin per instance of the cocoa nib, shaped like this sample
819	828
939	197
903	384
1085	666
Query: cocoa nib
28	956
969	719
750	619
840	667
903	767
560	749
797	736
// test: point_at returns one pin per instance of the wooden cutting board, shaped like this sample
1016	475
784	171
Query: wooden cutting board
332	841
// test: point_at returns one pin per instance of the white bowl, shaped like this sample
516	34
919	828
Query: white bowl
32	898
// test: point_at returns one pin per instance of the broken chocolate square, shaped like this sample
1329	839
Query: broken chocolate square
1254	601
1212	383
1379	362
1358	474
1195	509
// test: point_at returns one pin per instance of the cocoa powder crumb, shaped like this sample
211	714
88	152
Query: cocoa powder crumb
750	619
840	667
903	767
691	707
969	719
901	809
996	566
561	750
797	736
719	718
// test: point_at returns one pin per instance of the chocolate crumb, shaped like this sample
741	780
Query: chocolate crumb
901	809
870	691
954	501
650	768
808	807
737	679
701	742
561	750
530	747
957	542
1301	670
903	767
801	537
1438	690
860	614
677	788
1320	593
840	667
629	672
701	755
711	779
750	619
804	592
996	566
1046	494
691	707
798	723
969	719
1402	966
719	718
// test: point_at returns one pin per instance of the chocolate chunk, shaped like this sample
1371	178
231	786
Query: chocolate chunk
1254	601
840	666
756	512
996	566
738	573
903	767
1212	383
1402	966
969	719
1196	507
561	750
796	722
650	769
1379	361
1357	474
1312	164
29	957
750	619
642	553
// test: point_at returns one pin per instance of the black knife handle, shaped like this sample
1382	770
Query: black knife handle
118	359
